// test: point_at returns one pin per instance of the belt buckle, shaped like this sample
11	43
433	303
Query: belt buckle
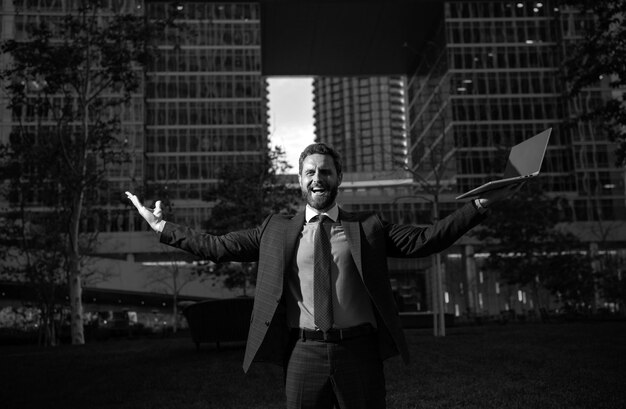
332	335
312	335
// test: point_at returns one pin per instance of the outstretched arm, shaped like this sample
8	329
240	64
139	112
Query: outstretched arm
154	217
417	241
235	246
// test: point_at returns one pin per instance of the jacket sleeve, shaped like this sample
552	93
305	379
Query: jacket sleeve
421	241
239	246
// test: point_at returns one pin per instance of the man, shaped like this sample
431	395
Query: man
324	307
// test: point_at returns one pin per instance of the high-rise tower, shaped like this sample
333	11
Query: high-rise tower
363	118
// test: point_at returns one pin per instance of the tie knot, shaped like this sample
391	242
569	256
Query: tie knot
321	218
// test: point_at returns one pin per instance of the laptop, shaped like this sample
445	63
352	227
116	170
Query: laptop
524	162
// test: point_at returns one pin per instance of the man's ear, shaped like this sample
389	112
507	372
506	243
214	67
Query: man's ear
339	178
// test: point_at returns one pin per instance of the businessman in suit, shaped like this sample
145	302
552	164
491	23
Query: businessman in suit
323	306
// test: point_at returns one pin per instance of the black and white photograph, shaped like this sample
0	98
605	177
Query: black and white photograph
312	204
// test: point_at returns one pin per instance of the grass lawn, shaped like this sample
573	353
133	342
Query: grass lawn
561	365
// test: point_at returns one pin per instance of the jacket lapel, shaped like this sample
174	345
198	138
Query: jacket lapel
290	238
352	229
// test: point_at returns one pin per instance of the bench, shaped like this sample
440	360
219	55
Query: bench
222	320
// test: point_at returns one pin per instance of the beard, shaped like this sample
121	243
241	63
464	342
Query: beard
320	201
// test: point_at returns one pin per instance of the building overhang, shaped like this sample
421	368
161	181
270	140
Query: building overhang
345	37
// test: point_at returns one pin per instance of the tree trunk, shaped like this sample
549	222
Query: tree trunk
175	299
50	335
536	295
175	312
75	285
76	305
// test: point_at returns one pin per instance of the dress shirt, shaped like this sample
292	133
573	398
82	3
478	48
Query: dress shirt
351	302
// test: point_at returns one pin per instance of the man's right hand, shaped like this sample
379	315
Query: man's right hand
153	217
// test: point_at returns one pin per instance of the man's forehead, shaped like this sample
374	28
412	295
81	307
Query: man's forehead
318	160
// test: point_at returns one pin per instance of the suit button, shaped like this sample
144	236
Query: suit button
278	301
267	323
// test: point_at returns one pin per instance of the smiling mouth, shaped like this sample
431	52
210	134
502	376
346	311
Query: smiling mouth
318	190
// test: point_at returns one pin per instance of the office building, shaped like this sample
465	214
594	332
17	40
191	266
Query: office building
490	79
206	103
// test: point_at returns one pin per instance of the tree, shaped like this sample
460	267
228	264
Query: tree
172	279
244	196
599	59
612	283
68	85
36	262
247	192
235	275
527	248
600	56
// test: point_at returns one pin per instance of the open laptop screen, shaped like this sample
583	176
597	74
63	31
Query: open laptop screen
524	162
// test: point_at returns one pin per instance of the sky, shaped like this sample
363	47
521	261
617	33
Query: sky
291	115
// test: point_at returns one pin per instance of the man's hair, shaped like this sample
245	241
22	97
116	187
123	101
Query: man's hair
322	149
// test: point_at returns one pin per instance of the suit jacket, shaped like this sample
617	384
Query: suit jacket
274	243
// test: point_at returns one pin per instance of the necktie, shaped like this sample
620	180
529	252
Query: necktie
322	295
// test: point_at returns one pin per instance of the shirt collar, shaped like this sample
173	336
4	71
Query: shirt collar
332	213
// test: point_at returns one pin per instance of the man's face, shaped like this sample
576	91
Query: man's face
319	181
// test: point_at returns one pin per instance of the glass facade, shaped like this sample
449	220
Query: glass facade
203	105
206	103
492	79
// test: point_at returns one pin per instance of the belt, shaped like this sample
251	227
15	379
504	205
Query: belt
335	334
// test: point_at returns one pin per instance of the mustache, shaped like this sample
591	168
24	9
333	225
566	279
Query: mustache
320	185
